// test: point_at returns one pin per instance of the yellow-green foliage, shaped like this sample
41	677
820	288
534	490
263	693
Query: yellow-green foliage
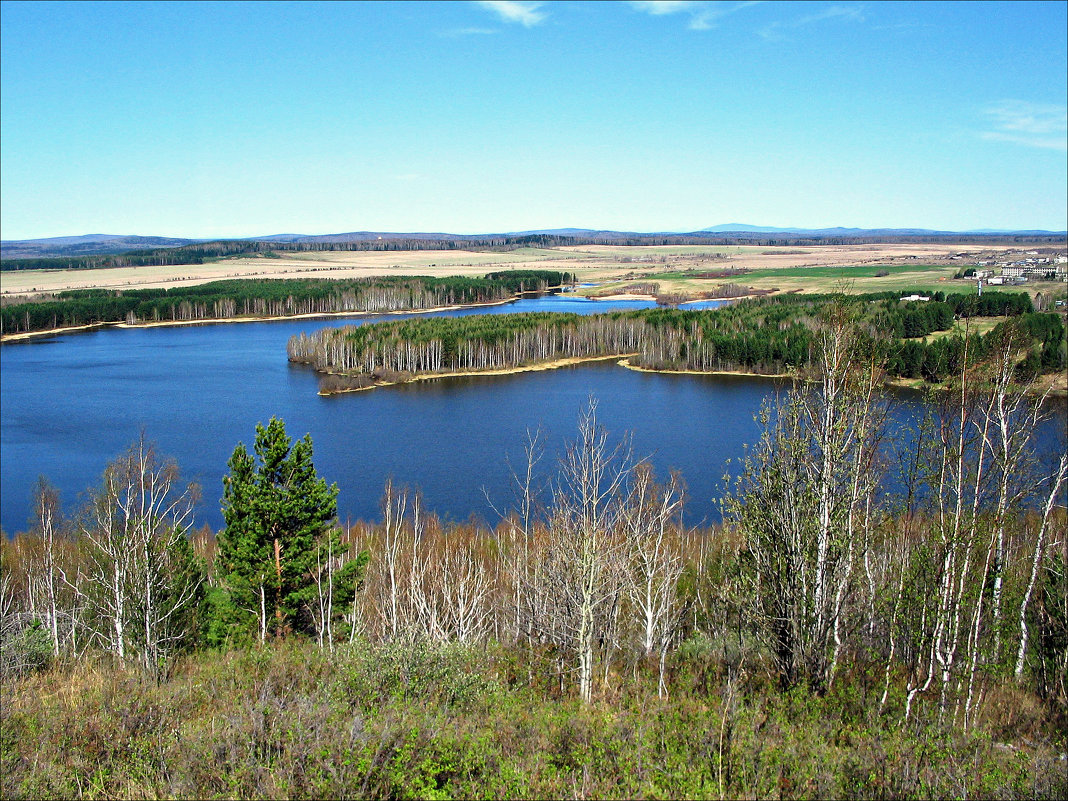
415	721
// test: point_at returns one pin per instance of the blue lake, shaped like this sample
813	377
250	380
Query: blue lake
71	403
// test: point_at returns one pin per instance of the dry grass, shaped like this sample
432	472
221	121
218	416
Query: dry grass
422	721
783	268
339	264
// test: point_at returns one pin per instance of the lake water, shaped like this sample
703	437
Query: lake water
71	403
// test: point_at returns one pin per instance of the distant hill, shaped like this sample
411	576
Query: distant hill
80	250
86	245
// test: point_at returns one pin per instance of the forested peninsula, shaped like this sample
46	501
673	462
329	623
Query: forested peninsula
243	298
770	335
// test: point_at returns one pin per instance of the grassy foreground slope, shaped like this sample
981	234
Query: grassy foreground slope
449	721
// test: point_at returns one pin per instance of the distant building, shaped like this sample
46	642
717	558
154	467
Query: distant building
912	298
1039	272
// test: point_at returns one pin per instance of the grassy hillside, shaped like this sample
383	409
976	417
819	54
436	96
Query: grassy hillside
418	721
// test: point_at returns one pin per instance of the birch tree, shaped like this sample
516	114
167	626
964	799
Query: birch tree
803	502
650	520
583	539
145	584
47	521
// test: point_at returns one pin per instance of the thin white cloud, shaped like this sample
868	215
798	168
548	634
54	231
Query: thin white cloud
703	14
660	7
470	32
526	14
1042	125
776	30
834	12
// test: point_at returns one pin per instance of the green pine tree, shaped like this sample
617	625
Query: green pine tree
277	510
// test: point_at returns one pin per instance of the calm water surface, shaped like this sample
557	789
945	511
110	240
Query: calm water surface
72	403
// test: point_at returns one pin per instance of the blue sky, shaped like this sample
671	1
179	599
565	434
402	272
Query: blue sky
235	119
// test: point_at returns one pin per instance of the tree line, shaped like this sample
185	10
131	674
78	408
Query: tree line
764	335
201	252
941	593
269	297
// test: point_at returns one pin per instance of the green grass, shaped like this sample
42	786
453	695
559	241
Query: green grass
972	326
422	721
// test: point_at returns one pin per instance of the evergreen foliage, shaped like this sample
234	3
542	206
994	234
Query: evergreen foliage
278	513
269	297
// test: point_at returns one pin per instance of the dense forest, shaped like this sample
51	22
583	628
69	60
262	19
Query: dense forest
269	298
828	640
763	335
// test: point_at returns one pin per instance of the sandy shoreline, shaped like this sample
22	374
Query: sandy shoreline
21	336
531	368
625	362
24	335
622	359
622	296
652	298
1053	385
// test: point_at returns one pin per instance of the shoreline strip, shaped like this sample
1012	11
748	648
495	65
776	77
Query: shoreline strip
529	368
24	335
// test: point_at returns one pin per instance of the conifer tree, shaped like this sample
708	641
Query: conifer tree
277	510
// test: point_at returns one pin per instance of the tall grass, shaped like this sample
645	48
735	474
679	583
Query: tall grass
419	721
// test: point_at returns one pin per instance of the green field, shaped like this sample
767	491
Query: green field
973	326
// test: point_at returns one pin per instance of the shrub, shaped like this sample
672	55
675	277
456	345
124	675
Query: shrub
24	649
